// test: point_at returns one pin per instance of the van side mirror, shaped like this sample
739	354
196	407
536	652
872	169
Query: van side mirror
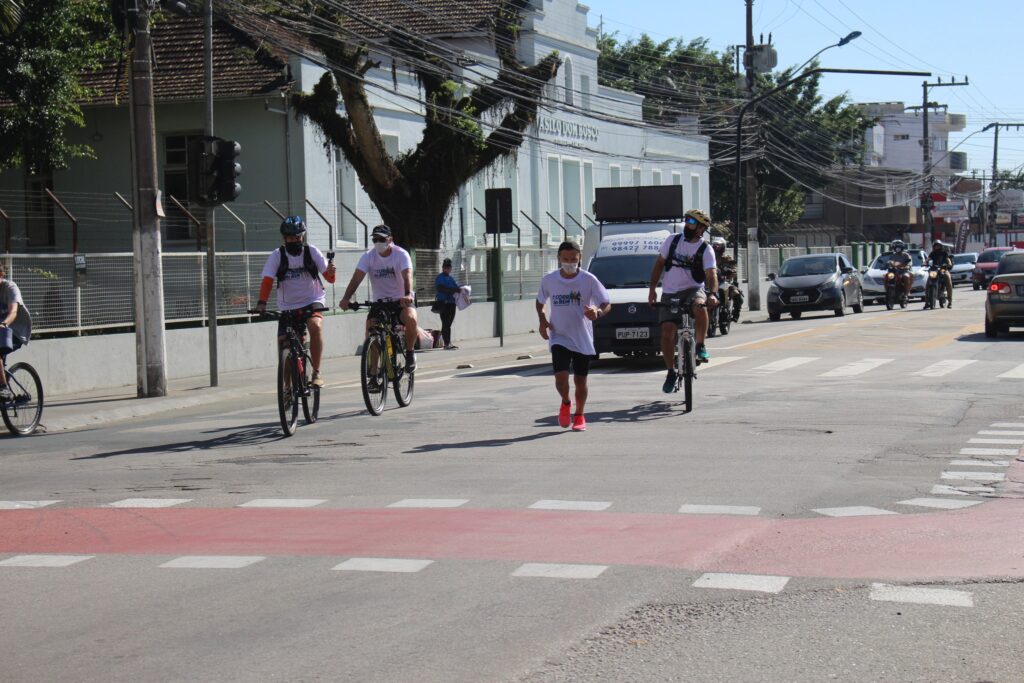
847	270
771	276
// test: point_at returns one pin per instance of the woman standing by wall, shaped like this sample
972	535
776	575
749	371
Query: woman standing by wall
447	290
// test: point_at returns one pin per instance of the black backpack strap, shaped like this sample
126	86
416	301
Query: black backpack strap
697	267
670	261
282	266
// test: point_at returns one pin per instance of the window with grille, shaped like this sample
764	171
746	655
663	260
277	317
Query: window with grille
177	226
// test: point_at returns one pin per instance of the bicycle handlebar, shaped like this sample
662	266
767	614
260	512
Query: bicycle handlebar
277	315
664	304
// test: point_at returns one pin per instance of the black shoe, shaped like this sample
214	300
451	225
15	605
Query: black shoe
410	361
670	382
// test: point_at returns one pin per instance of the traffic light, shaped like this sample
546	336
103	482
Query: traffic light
213	169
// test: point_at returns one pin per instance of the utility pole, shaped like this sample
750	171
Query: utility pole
926	146
147	212
211	234
752	222
995	170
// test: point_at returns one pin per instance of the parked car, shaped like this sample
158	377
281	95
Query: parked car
986	265
816	282
874	277
1004	305
963	266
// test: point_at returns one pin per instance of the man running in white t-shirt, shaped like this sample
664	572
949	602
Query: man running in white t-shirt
577	298
390	270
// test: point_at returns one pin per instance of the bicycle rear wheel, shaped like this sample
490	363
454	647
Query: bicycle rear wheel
403	378
373	375
688	365
22	414
287	394
311	393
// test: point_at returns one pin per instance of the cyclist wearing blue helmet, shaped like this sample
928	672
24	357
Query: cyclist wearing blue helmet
297	268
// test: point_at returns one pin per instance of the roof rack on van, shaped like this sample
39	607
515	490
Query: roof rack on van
638	204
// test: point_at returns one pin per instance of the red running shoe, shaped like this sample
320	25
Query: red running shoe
563	415
579	423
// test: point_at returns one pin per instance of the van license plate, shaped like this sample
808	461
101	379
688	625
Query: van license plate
799	299
633	333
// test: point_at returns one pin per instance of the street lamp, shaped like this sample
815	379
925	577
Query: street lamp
850	37
753	278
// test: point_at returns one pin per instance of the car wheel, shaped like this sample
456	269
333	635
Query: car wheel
841	309
774	316
795	315
990	329
975	286
859	306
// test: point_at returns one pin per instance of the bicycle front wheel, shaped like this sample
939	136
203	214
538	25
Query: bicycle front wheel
22	414
373	375
287	398
688	365
403	378
310	393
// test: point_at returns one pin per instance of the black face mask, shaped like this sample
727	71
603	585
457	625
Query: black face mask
293	248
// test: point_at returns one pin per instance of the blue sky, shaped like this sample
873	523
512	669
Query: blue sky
982	40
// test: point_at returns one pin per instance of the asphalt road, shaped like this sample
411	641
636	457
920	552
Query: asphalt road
844	503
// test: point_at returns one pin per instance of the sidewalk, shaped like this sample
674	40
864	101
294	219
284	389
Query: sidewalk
97	408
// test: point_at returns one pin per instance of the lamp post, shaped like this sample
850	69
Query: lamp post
753	279
850	37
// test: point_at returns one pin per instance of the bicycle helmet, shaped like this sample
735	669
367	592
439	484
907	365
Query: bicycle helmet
699	216
718	243
293	225
898	245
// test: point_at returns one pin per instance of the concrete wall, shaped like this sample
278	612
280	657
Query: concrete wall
108	361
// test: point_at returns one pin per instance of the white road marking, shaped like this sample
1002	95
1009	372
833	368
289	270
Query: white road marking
588	505
1008	441
691	509
974	476
212	562
997	432
560	571
784	364
853	511
989	451
383	564
1007	425
943	503
743	582
921	596
857	368
149	502
25	504
429	503
942	489
758	341
943	368
980	463
721	360
1016	373
283	503
44	560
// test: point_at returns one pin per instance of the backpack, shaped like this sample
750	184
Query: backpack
696	267
307	263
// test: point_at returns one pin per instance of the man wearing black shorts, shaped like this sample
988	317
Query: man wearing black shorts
576	298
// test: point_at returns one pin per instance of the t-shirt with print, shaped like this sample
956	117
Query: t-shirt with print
678	278
10	294
386	272
298	288
569	296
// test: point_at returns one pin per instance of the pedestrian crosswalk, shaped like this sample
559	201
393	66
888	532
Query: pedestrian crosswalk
845	368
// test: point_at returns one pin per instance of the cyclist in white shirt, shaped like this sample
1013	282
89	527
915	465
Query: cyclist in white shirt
390	269
297	268
576	298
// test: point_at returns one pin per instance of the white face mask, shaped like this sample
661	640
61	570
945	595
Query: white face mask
381	247
570	268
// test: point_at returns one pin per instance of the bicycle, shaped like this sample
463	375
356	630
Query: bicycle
294	371
385	342
22	413
686	349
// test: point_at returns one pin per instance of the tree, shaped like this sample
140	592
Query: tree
681	79
41	58
463	135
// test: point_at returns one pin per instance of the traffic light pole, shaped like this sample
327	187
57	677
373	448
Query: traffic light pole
146	228
926	147
211	233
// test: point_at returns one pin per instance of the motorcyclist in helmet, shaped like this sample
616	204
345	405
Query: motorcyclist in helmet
939	256
727	278
902	260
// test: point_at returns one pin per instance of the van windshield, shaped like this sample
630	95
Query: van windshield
624	271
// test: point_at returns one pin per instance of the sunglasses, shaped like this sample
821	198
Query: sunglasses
378	240
691	221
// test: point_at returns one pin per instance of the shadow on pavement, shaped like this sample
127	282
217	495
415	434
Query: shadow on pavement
1001	339
248	435
645	412
483	443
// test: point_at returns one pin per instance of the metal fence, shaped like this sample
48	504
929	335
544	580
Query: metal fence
522	270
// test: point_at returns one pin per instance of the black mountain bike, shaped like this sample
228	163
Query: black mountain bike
22	413
294	371
686	349
383	358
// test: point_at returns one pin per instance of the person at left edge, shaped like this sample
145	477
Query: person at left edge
577	298
297	268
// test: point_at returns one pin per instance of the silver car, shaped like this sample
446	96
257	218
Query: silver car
874	276
963	266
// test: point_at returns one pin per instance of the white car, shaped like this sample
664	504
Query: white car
963	266
874	277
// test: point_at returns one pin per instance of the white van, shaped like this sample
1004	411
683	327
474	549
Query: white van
621	256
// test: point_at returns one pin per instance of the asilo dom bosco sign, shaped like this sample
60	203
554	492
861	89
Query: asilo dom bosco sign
566	129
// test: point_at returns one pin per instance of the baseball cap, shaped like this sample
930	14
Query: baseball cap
447	263
381	231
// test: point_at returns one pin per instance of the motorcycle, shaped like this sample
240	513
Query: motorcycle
733	294
936	287
895	289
